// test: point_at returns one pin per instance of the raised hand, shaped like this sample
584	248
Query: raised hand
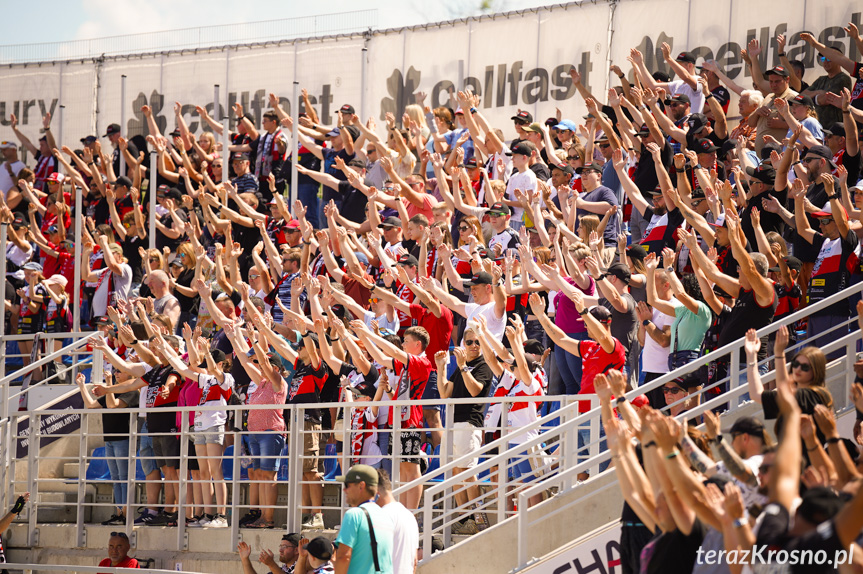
752	344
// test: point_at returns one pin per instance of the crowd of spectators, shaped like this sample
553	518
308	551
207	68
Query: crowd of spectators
442	260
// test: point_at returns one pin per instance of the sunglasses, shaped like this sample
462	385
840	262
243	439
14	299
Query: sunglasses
824	220
604	145
152	259
520	122
572	157
253	276
674	104
471	342
805	367
464	228
120	534
672	390
764	468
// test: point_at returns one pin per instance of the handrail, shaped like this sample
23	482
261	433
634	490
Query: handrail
49	358
96	569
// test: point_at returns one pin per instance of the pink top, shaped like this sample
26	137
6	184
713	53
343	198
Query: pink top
190	394
267	419
566	316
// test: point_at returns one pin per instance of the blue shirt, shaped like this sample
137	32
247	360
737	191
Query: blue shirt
354	532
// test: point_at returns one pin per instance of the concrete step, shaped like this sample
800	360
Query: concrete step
71	470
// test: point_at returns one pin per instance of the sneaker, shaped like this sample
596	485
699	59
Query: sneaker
467	527
163	519
146	517
218	522
316	522
115	520
250	517
195	521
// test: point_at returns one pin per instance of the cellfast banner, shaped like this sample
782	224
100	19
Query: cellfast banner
517	60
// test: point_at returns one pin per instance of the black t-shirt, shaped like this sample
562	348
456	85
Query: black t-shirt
187	304
480	371
807	399
773	535
130	247
624	326
769	221
747	314
114	423
307	387
852	164
163	240
353	202
160	416
133	151
541	171
674	551
803	250
644	176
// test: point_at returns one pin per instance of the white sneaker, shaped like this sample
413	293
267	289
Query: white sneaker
316	522
218	521
203	521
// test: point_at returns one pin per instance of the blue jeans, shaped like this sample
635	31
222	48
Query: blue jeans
307	193
145	451
119	469
584	443
569	365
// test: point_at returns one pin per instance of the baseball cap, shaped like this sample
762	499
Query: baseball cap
636	251
354	131
391	221
793	263
57	279
238	156
620	271
690	380
19	222
112	129
360	473
533	127
821	151
470	163
334	132
122	181
534	347
592	166
101	320
600	313
819	504
763	173
320	547
727	146
498	209
408	259
32	266
567	125
687	57
56	177
293	225
682	98
565	169
777	71
720	221
836	129
88	140
293	537
176	262
697	122
523	116
705	146
827	211
8	145
803	100
644	130
481	278
747	425
347	109
520	148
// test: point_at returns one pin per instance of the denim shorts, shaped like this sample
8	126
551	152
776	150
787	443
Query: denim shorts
145	451
262	446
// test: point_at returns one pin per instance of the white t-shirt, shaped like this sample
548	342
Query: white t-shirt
696	98
524	181
655	355
383	322
6	182
18	257
406	537
495	325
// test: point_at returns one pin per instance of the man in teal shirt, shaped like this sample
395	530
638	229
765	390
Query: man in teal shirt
359	549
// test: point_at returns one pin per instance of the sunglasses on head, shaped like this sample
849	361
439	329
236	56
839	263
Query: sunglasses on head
805	367
120	534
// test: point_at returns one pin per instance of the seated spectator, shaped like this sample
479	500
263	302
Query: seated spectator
118	552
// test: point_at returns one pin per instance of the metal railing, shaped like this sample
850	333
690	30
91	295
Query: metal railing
564	481
193	38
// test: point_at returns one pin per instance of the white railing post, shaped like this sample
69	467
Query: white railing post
235	476
32	475
183	481
82	480
295	469
594	441
131	470
523	531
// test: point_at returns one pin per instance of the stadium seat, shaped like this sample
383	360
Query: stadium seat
97	468
282	475
332	468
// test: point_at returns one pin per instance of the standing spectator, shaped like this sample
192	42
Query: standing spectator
363	522
766	118
270	146
12	166
46	163
405	529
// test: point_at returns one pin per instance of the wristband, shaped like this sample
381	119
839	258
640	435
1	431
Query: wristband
473	111
650	444
708	96
620	400
833	440
672	454
584	312
740	522
306	242
19	505
621	76
646	322
134	342
463	369
780	54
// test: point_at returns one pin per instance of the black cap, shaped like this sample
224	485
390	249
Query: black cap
836	129
237	155
391	221
697	122
470	163
534	347
122	181
592	166
803	100
821	151
687	57
175	133
564	168
819	504
498	209
347	109
320	547
481	278
678	98
777	71
697	193
88	140
19	222
365	389
294	538
644	130
763	173
523	116
705	146
521	148
112	129
620	271
101	320
690	380
174	193
636	251
793	263
747	425
727	146
408	259
354	131
600	313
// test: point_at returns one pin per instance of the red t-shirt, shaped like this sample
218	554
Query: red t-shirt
439	329
411	386
594	360
64	264
404	293
126	562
